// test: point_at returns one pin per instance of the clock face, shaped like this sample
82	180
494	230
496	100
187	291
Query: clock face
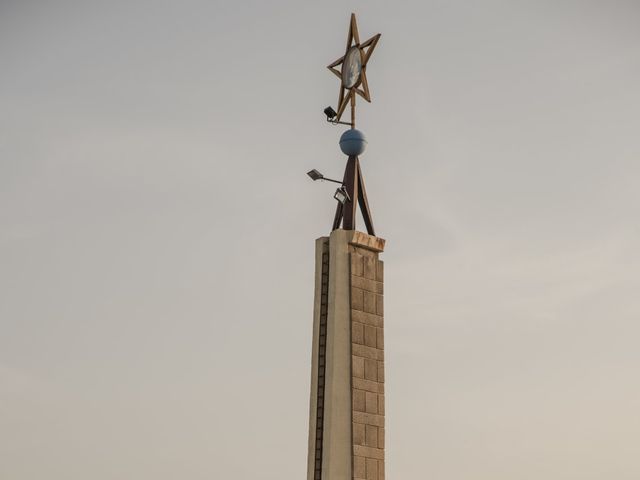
352	67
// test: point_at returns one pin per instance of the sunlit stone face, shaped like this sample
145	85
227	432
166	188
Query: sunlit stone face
351	67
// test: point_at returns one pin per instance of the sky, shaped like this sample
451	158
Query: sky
157	234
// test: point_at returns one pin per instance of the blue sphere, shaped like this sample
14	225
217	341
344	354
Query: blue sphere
353	142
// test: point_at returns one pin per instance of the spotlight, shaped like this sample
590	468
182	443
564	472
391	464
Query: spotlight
341	195
315	175
330	113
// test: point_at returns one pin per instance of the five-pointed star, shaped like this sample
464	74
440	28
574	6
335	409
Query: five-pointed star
353	76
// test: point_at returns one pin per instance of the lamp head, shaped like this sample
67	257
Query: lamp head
315	175
341	195
330	113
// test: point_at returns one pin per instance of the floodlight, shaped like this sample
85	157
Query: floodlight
330	113
341	195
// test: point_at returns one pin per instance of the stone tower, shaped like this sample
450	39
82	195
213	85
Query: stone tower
346	421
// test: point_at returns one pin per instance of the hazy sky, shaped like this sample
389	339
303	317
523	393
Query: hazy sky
157	233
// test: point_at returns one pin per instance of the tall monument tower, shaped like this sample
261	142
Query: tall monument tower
346	421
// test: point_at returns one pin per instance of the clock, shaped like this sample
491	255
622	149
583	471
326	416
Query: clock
352	67
353	71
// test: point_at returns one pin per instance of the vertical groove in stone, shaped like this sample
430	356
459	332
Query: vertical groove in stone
322	351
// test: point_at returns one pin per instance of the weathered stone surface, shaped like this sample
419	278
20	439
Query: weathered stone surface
357	366
379	305
359	434
367	318
370	300
368	242
359	467
368	352
357	265
368	361
371	402
368	285
357	298
368	452
368	385
368	419
370	369
370	268
380	339
380	271
357	333
359	400
352	439
371	436
372	469
370	336
381	372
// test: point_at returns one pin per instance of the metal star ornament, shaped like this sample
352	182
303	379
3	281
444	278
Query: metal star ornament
353	73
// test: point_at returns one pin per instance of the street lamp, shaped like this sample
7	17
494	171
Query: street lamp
341	194
316	175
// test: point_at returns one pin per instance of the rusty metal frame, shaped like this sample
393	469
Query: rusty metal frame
354	184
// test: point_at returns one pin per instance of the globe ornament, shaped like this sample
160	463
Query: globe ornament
353	142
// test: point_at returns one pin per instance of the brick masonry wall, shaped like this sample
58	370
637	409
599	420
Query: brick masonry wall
367	364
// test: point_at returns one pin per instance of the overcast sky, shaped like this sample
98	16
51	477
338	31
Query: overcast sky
157	233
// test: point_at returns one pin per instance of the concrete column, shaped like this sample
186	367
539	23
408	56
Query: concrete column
346	422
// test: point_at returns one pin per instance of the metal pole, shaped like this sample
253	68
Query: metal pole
353	109
331	180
